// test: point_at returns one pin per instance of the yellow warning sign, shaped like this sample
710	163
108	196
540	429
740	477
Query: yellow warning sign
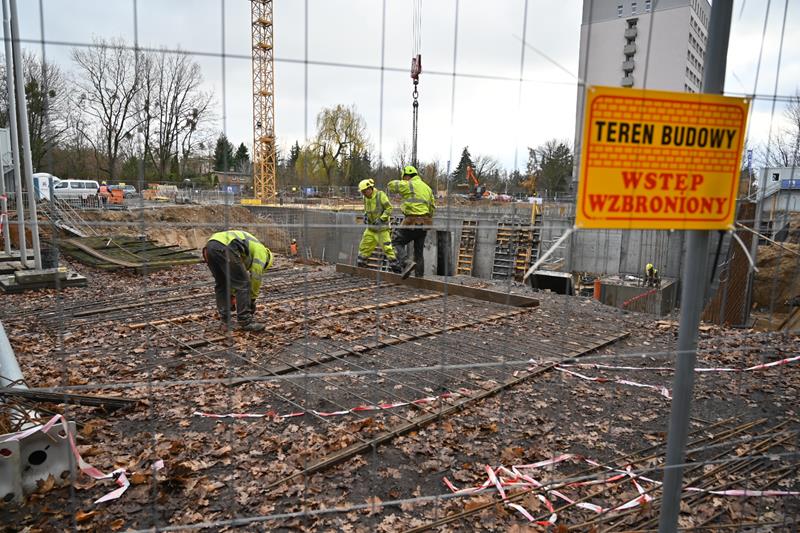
659	160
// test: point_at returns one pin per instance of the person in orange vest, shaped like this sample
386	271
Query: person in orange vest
104	193
293	248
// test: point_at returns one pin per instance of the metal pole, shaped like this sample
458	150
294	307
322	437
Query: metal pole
14	134
4	209
694	279
23	132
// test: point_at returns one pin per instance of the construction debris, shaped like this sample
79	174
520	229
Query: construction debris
113	253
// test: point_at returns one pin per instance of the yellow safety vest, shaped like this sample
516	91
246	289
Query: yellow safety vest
418	198
256	256
377	209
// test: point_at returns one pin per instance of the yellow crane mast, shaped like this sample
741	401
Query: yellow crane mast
264	186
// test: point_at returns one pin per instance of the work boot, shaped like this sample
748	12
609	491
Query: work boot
395	266
361	262
408	270
251	326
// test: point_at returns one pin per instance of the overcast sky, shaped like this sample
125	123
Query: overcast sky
493	117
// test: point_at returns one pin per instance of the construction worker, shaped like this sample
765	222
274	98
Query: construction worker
418	207
377	210
237	260
651	276
104	193
293	248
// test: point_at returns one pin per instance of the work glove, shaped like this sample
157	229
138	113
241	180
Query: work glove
381	224
233	302
366	220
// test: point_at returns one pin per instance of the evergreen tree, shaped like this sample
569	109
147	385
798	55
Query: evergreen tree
460	173
294	155
223	154
241	159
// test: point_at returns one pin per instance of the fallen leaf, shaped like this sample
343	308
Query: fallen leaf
80	516
375	505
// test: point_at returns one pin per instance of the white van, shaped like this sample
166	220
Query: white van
41	184
76	189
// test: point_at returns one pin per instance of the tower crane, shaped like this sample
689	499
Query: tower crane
264	186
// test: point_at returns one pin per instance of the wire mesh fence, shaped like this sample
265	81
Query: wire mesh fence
301	391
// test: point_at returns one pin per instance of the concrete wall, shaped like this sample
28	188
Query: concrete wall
334	236
660	303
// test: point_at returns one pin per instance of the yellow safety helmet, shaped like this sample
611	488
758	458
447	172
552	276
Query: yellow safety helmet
649	266
409	170
363	185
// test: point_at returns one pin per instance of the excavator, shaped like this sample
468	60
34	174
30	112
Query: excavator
476	189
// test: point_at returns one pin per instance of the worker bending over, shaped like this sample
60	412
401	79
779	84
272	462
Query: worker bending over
418	207
651	278
237	260
377	210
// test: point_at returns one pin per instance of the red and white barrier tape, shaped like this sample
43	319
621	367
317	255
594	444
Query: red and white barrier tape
360	408
661	390
763	366
629	301
504	478
117	475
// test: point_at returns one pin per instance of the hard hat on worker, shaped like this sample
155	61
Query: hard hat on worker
409	170
363	185
649	266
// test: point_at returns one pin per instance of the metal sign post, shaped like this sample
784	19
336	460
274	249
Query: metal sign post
692	296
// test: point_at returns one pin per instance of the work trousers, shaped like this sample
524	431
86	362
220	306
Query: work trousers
376	237
230	278
404	235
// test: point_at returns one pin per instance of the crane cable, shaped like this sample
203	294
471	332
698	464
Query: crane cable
416	70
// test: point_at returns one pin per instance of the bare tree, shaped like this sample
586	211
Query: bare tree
107	87
401	155
46	93
177	105
783	148
486	167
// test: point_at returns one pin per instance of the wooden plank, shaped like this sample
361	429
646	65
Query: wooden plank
113	260
475	293
106	402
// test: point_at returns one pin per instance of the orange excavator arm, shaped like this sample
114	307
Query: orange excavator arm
471	176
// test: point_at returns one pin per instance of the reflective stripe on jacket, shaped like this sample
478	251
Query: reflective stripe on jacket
418	198
256	256
377	209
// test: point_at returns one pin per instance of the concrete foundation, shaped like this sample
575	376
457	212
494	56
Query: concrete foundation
333	236
633	297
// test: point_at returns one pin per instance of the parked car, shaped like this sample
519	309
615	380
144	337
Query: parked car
76	189
41	184
129	191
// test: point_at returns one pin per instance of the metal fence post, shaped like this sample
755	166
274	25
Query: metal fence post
22	108
694	279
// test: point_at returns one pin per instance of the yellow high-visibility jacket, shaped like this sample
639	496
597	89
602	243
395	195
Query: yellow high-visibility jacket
418	198
256	257
377	209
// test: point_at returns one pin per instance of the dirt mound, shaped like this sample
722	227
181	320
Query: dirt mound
189	226
778	278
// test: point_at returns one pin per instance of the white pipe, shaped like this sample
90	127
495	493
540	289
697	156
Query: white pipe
10	373
548	253
12	123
